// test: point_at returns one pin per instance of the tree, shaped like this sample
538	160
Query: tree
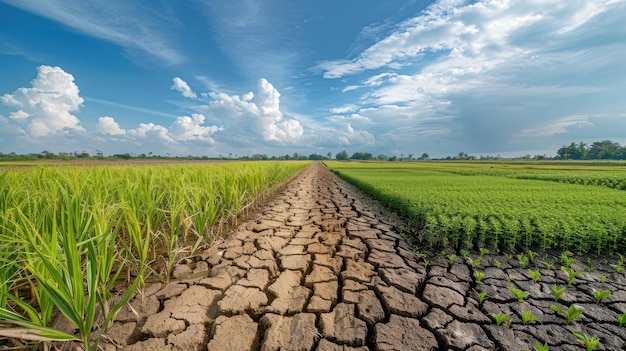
383	157
342	156
329	155
410	157
424	156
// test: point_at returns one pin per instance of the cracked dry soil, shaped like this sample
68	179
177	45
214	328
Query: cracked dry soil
323	268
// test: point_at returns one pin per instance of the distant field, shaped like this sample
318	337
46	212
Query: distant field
573	206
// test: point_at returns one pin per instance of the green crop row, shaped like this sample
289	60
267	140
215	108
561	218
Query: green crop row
69	235
474	211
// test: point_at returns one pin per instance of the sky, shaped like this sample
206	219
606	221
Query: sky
243	77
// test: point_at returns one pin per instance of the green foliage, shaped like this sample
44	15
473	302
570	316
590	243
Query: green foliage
570	314
535	274
548	265
520	294
491	205
482	295
557	292
571	274
483	252
479	277
540	347
522	260
602	278
451	258
70	233
498	264
621	319
475	262
591	343
601	294
527	317
500	318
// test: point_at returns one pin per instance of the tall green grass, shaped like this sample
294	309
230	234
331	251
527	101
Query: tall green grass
69	234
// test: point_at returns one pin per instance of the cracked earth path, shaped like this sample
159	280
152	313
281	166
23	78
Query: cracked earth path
320	269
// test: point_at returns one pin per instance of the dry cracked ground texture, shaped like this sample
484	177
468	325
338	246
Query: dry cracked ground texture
320	270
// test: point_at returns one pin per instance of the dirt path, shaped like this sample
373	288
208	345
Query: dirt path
321	270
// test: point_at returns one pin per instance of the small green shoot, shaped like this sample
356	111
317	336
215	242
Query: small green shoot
500	318
570	314
571	274
497	263
483	252
507	278
541	347
479	276
451	258
465	254
548	265
523	260
556	292
601	294
483	294
621	319
426	262
474	263
602	278
591	343
590	269
527	317
532	255
535	274
566	258
520	294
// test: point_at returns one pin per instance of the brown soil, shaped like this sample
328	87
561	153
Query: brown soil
324	268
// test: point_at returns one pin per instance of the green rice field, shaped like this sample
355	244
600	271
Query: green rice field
577	207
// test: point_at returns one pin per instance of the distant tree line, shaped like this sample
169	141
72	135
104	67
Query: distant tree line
599	150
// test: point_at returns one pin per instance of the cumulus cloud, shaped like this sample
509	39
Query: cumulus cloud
108	125
182	86
48	104
251	115
187	128
184	129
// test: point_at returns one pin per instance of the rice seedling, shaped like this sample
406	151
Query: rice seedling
451	258
522	259
528	317
541	347
482	295
571	274
479	277
601	294
621	319
602	278
535	274
557	292
570	314
520	294
548	265
499	318
483	252
590	343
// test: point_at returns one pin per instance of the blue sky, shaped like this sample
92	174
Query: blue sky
509	77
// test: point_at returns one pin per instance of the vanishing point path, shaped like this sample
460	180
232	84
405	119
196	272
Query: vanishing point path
320	269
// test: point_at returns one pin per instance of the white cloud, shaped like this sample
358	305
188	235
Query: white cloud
108	125
257	116
182	86
489	71
187	128
48	104
344	109
20	114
